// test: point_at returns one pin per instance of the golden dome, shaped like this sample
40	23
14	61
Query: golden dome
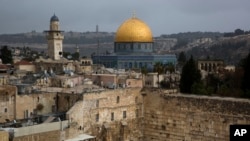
133	30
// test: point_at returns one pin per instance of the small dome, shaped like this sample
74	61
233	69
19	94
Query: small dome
54	18
133	30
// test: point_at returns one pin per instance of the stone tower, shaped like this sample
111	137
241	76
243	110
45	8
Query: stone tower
55	39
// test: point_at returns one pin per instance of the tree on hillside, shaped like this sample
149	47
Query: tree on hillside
190	75
238	31
182	58
6	55
75	56
169	67
66	54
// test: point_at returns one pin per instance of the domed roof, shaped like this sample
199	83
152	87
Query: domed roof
133	30
54	18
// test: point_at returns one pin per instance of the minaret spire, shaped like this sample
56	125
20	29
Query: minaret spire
133	14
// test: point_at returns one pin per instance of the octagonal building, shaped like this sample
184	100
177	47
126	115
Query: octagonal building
133	48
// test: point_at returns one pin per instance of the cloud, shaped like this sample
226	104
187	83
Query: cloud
163	16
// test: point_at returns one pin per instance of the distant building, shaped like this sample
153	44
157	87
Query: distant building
210	66
4	68
25	65
133	48
86	65
230	68
151	80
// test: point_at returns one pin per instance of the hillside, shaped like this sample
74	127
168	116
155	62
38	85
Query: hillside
69	37
229	49
199	44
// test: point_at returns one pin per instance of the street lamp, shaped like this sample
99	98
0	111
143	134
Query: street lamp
143	93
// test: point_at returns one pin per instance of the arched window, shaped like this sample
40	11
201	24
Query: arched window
130	65
140	64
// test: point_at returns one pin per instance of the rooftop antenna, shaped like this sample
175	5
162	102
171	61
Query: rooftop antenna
98	44
97	29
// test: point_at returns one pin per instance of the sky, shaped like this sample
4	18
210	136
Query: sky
162	16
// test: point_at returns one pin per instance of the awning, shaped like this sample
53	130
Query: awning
49	119
81	137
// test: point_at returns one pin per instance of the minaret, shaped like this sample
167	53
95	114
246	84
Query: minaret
77	49
97	29
55	38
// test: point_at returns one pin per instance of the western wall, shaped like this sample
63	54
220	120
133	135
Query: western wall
191	117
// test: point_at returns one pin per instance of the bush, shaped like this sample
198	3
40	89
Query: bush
39	107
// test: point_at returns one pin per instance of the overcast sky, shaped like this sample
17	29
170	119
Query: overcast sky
163	16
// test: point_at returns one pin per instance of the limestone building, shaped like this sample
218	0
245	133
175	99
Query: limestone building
7	98
133	48
210	65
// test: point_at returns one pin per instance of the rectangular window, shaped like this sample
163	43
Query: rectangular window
5	110
137	113
124	114
97	117
97	103
112	116
117	99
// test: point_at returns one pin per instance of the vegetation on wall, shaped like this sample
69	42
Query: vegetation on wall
39	107
71	56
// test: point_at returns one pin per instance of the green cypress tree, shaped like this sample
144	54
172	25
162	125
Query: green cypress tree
6	55
190	75
246	76
182	58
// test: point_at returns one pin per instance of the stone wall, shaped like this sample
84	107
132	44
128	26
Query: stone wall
41	132
94	114
45	136
7	104
27	103
67	100
52	102
4	136
186	118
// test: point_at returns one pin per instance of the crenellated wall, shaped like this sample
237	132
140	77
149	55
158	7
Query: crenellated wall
192	118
